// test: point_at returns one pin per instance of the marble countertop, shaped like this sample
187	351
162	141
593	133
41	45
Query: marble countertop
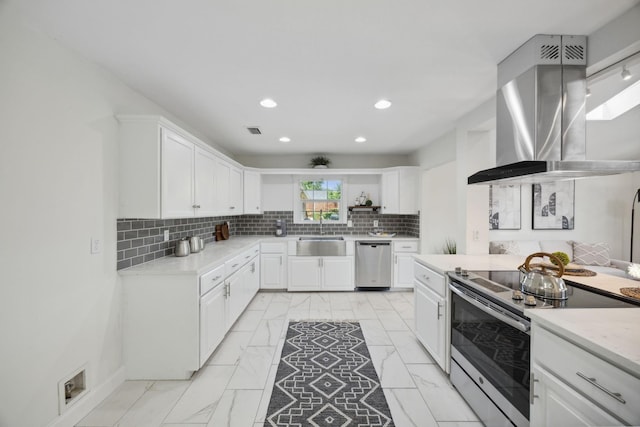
442	263
611	333
217	253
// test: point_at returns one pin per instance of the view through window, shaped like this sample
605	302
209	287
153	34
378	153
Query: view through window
320	197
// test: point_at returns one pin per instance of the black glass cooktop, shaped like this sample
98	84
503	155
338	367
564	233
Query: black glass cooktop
579	296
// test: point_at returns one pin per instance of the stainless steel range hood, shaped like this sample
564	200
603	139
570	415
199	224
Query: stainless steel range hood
540	121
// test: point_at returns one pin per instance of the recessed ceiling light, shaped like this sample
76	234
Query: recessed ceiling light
268	103
361	139
285	139
383	104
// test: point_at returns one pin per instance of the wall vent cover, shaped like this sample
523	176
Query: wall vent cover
254	130
549	51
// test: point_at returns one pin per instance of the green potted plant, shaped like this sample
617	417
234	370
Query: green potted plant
320	162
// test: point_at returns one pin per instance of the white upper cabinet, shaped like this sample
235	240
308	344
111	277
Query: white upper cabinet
177	173
229	188
252	192
167	173
399	191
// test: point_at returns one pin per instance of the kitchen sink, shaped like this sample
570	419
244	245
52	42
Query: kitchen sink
321	246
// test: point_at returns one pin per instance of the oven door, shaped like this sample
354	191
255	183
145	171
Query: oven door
492	345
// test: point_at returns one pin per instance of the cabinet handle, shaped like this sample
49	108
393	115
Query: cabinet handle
229	287
532	382
395	259
438	314
232	207
257	208
215	278
280	259
234	265
406	247
594	382
253	267
427	278
196	206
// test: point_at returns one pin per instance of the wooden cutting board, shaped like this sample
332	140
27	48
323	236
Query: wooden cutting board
222	232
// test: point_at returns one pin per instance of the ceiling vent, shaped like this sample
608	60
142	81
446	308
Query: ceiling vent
254	130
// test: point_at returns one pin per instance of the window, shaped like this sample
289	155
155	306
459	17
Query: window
319	197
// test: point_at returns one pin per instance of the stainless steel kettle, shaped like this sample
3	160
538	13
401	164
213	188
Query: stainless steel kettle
195	244
537	280
182	247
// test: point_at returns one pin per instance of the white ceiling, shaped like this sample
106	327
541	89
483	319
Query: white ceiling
324	61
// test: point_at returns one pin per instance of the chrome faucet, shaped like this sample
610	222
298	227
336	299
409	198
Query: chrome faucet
321	233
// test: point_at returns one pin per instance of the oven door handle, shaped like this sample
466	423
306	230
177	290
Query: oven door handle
490	311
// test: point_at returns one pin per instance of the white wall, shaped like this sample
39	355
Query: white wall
438	206
60	306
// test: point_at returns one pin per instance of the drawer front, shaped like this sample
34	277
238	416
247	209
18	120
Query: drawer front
211	279
589	374
430	278
236	263
273	248
405	246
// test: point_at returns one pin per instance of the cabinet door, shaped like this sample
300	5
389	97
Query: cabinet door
273	271
177	176
236	193
389	192
557	404
338	273
403	270
252	280
430	322
234	303
212	321
252	192
204	185
223	179
305	273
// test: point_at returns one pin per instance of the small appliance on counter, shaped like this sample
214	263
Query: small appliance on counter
281	228
196	244
182	247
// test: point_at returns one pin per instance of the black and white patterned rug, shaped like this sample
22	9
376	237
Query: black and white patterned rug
326	378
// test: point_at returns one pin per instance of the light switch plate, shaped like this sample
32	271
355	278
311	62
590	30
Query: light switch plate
166	235
375	222
349	223
96	245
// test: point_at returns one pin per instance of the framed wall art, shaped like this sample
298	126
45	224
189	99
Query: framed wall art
553	205
504	207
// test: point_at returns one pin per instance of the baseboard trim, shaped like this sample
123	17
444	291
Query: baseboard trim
92	399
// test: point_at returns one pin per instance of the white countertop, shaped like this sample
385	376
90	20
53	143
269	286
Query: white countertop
611	333
218	252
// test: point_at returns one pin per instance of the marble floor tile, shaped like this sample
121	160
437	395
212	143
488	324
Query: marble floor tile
445	402
201	398
248	321
379	301
320	313
391	320
411	323
409	349
293	315
278	352
300	301
403	307
408	408
266	395
339	301
237	408
154	405
374	333
319	299
389	367
276	310
343	315
184	425
116	405
282	297
268	333
231	348
260	301
363	309
253	368
460	424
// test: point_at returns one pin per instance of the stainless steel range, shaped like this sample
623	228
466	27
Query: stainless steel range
490	340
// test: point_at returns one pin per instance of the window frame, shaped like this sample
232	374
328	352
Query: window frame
297	205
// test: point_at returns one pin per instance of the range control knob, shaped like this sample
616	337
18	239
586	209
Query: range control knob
530	300
517	295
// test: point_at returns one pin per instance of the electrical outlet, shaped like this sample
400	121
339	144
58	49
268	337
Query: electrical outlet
349	223
375	222
166	235
96	245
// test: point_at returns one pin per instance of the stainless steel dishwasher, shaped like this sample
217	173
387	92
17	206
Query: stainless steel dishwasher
373	264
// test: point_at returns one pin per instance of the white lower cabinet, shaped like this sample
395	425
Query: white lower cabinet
431	313
212	315
403	262
571	386
558	404
310	273
273	265
172	323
